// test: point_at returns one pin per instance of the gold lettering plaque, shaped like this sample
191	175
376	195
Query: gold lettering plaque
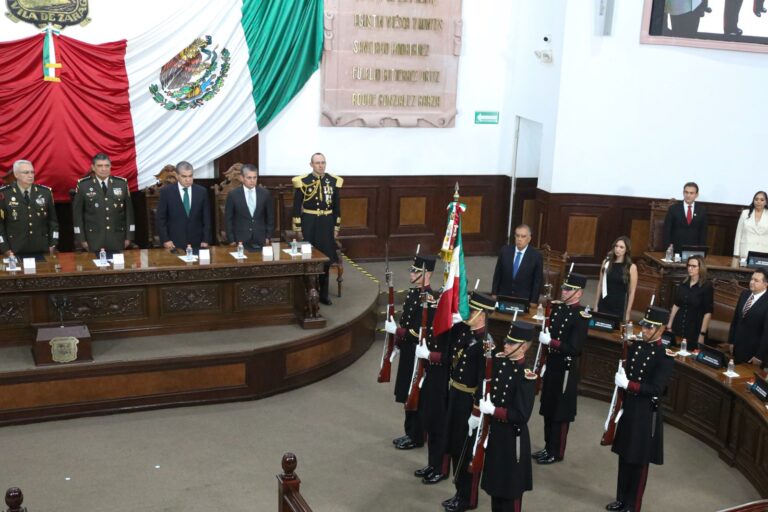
64	349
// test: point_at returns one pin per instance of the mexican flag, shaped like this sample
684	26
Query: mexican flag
453	305
150	83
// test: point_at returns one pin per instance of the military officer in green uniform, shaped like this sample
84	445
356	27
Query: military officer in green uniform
317	213
28	223
102	210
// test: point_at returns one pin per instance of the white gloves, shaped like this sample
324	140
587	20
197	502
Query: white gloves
422	351
390	326
544	337
620	379
473	422
486	406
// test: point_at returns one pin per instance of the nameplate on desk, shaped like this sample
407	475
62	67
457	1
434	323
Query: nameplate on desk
509	305
28	263
603	322
757	259
668	339
118	259
760	388
712	358
204	255
267	253
306	248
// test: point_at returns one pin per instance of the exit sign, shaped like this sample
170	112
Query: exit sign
486	118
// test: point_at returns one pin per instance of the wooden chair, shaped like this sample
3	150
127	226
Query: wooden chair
151	199
727	293
554	269
231	181
656	225
648	285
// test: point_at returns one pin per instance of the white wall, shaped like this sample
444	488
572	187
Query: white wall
641	120
485	74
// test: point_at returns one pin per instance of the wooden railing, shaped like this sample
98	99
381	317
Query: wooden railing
289	498
755	506
14	499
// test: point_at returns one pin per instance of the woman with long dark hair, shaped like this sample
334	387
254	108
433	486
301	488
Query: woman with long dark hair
752	228
694	302
618	280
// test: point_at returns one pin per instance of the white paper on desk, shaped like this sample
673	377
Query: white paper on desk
290	253
683	353
267	253
28	263
30	270
101	264
204	254
234	255
306	248
731	375
118	259
188	259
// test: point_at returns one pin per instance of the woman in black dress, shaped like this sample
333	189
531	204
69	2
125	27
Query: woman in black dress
618	280
694	301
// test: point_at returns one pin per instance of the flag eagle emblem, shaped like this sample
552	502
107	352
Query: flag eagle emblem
191	77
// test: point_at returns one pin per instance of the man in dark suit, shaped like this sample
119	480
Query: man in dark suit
249	213
519	269
686	222
749	328
184	212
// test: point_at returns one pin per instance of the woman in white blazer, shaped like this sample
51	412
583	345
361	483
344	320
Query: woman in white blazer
752	229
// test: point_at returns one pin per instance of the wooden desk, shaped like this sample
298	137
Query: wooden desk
700	400
156	293
718	267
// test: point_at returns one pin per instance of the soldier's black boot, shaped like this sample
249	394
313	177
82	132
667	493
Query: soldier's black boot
616	505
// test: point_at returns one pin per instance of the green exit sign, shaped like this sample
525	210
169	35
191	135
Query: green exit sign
486	118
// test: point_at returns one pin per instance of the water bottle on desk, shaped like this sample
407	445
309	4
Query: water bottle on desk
630	330
294	246
684	345
190	252
240	251
12	261
540	312
731	366
670	255
103	256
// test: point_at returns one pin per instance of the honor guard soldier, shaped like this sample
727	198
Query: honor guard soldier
317	213
565	338
507	471
406	339
639	433
102	210
467	363
28	223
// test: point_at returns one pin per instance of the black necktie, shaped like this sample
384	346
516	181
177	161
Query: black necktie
26	197
104	187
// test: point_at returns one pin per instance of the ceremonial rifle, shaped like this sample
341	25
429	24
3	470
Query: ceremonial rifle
540	363
617	400
481	438
419	365
388	352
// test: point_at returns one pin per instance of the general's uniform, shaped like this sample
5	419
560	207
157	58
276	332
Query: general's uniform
28	223
317	215
103	219
507	472
568	328
640	432
406	339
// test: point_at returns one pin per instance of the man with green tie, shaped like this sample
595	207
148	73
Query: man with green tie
184	212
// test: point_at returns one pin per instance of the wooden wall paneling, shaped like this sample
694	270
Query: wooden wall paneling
246	153
403	238
472	220
412	211
581	237
639	234
524	207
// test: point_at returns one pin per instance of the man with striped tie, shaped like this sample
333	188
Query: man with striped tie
748	336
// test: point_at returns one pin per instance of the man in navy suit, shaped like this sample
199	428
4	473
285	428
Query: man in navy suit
184	212
519	269
749	328
249	214
686	222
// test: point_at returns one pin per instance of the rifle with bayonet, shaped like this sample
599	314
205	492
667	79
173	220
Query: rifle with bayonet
419	365
388	352
540	363
617	400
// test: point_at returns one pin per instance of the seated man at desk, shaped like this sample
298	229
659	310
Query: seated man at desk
28	223
748	336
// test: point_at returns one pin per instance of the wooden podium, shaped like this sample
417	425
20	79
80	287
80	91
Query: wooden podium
61	344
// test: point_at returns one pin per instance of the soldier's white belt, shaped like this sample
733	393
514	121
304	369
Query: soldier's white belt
318	212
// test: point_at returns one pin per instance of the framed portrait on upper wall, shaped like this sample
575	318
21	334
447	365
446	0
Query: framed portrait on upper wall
740	25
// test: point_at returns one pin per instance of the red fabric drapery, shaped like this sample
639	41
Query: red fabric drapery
59	126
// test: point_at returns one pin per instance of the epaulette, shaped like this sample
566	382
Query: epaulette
119	178
3	187
298	181
339	179
669	352
44	186
530	375
85	178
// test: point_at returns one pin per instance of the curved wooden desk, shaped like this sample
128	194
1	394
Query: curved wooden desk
700	400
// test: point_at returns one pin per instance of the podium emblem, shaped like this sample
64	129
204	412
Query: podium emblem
64	349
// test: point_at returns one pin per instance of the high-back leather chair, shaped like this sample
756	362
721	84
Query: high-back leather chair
151	199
